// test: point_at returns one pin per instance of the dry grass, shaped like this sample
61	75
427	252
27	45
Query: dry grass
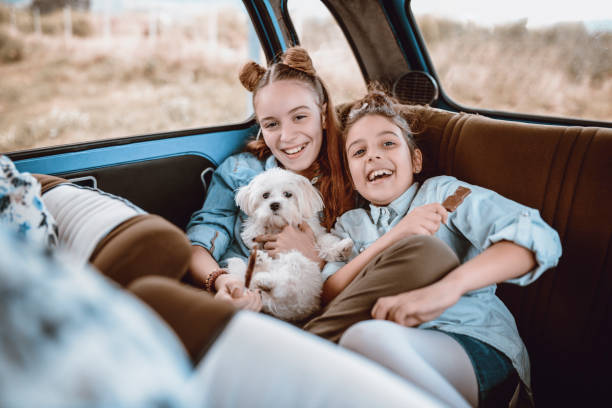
90	87
562	70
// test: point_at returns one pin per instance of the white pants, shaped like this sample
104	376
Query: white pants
261	362
431	360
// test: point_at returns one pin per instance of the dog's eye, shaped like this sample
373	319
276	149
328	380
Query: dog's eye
287	194
266	196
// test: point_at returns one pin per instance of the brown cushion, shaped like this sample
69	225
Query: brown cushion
563	317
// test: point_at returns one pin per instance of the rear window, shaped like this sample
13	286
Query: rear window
107	69
539	57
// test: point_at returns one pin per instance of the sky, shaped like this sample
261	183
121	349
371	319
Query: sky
492	12
484	12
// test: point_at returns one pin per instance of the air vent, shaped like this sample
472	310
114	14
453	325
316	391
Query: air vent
416	88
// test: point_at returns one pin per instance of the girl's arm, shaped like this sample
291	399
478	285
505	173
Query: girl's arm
424	220
229	287
201	265
500	262
520	246
212	227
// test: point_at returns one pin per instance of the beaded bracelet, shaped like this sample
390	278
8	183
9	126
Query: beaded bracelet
209	284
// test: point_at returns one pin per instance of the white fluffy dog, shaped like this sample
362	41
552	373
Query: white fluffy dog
290	283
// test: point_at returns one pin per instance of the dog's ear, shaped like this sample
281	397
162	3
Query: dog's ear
310	202
243	199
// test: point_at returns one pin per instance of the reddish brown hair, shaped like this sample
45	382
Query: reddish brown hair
333	182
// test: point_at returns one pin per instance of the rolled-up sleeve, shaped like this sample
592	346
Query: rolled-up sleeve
212	227
486	218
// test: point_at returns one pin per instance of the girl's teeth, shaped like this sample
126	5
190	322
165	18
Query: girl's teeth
376	173
294	150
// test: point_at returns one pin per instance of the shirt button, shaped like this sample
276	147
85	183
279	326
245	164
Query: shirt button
361	249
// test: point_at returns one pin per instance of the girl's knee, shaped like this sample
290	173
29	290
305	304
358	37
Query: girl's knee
362	335
429	248
428	244
414	262
382	341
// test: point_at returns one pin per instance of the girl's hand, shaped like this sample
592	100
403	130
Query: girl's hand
301	239
423	220
417	306
230	288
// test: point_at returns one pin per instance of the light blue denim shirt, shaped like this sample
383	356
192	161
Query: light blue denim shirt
483	219
218	224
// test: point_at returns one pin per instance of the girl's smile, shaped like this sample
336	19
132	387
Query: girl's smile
295	150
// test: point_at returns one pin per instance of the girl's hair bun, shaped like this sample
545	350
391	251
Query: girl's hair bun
377	100
250	75
298	58
378	96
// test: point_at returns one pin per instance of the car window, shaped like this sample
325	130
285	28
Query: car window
540	57
111	69
332	56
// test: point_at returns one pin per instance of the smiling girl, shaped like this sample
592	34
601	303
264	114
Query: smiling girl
472	350
298	131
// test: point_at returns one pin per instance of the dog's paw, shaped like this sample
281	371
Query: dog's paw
345	248
339	250
263	258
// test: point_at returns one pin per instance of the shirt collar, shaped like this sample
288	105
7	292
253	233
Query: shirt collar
270	162
399	206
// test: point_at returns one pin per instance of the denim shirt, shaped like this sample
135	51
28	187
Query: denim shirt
483	219
218	224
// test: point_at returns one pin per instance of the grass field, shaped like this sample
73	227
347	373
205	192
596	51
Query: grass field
55	90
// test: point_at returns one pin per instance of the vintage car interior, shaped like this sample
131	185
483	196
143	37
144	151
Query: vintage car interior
560	166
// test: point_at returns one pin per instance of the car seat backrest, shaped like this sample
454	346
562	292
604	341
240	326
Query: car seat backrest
565	172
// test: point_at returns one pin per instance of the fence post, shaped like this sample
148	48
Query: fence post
13	20
152	26
67	23
107	21
36	18
213	30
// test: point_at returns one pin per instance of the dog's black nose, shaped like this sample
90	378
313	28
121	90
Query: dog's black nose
274	206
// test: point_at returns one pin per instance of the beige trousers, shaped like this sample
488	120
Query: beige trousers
409	264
